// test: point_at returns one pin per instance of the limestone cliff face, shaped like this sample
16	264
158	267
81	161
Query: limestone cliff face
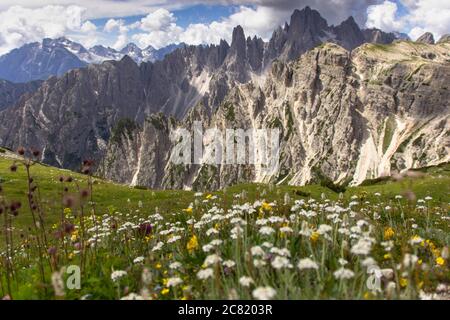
343	116
347	111
71	117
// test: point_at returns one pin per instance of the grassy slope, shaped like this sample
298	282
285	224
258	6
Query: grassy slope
435	183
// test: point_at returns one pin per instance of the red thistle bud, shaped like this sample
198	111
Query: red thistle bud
68	202
84	193
13	168
21	151
15	205
35	153
69	228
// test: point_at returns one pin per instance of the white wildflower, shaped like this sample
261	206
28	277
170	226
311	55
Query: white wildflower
173	282
205	274
264	293
246	281
138	260
343	274
118	274
307	263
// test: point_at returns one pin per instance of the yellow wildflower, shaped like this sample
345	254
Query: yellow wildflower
266	206
388	233
74	236
188	210
192	244
67	211
440	261
158	265
436	252
387	256
314	236
209	196
165	291
403	282
367	295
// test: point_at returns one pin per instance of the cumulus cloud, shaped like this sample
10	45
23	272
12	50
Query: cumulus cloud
421	16
384	17
162	29
334	10
20	25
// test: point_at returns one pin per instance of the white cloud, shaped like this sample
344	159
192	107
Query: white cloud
421	16
162	29
112	25
159	20
384	17
20	25
88	27
428	15
334	10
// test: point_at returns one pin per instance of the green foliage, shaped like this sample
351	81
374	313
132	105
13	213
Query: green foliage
121	210
124	126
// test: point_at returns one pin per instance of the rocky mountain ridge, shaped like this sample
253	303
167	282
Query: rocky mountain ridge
344	117
345	108
54	57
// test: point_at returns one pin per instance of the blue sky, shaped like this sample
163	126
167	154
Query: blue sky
161	22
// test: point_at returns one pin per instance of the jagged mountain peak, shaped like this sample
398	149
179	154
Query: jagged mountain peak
131	47
444	39
427	38
307	20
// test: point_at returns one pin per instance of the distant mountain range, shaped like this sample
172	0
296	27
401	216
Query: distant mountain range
351	104
54	57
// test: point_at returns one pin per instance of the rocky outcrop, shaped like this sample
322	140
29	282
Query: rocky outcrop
38	61
445	38
317	97
344	118
427	38
10	93
377	36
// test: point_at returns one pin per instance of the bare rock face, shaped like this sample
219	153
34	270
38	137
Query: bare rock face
38	61
377	36
427	38
445	38
10	93
345	118
347	111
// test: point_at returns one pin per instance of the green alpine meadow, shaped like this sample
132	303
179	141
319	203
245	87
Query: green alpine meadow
69	235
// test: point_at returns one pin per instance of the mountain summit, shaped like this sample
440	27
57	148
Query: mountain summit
347	110
54	57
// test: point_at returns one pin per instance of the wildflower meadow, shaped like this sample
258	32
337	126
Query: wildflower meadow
73	236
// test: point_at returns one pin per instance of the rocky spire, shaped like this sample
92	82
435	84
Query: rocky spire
238	43
445	38
349	34
427	37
